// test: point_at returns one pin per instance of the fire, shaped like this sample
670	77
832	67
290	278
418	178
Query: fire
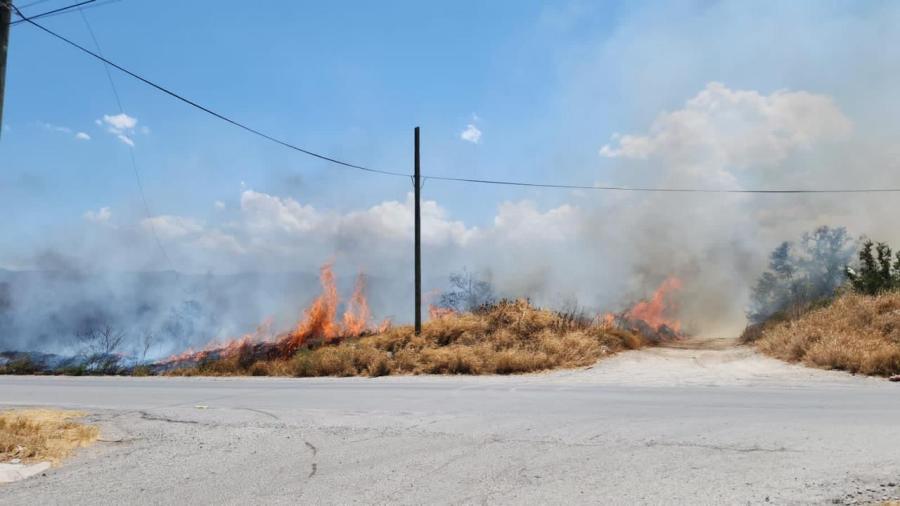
319	322
609	320
655	312
438	312
356	315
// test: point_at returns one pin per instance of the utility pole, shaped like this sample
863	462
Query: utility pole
418	247
5	18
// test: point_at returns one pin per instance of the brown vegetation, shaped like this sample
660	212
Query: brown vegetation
856	333
505	338
42	435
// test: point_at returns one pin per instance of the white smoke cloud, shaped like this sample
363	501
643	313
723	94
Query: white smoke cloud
730	139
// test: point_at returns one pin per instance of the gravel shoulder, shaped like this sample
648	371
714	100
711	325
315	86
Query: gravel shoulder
697	423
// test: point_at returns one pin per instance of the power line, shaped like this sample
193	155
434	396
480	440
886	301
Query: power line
440	178
652	189
208	110
51	12
134	167
96	3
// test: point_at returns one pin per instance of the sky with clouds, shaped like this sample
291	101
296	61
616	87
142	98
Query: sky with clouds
682	94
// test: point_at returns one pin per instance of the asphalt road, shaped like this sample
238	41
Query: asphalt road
672	426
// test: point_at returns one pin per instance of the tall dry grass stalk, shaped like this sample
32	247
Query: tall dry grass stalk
856	333
34	435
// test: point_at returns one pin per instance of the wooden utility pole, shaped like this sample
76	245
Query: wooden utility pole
5	18
418	246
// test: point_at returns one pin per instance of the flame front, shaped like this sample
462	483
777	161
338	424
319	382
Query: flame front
655	312
356	315
318	319
318	323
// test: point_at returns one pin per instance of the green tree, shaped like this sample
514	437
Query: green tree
875	272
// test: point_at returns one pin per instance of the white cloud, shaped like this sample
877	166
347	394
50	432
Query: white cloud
721	129
120	121
266	213
393	219
275	232
100	216
125	139
122	126
56	128
81	136
172	227
219	205
523	222
471	134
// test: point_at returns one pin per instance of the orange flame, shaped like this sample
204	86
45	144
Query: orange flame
356	315
655	311
318	319
228	349
318	322
609	321
438	312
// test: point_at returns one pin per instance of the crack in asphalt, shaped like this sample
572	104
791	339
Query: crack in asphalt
154	418
266	413
724	448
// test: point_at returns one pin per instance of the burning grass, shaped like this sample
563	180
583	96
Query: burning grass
856	333
36	435
506	338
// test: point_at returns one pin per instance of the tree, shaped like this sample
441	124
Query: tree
826	252
799	275
467	293
148	340
875	272
99	347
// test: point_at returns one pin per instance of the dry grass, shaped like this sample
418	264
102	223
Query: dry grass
507	338
35	435
856	333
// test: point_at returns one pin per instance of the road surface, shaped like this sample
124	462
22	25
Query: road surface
703	423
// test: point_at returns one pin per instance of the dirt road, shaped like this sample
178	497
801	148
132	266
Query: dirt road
702	422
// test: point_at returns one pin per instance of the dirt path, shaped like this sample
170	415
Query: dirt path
703	362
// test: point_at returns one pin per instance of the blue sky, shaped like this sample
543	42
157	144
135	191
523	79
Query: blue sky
547	85
349	79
